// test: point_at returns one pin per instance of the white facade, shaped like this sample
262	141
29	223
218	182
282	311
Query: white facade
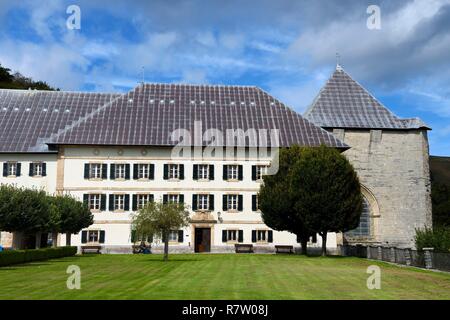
66	174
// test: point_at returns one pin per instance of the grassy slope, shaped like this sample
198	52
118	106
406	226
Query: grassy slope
218	277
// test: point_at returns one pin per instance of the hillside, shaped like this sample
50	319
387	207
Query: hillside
440	170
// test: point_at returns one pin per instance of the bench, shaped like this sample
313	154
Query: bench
284	249
90	249
243	248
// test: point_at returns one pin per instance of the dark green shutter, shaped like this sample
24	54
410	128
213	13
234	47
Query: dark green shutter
253	235
44	169
211	202
104	171
224	203
31	170
102	236
127	202
103	202
112	172
195	172
270	236
111	202
135	171
86	170
133	236
5	169
254	173
241	236
225	172
134	204
240	172
166	171
194	202
181	166
86	199
150	238
254	202
83	236
180	235
224	235
211	172
127	171
181	198
240	202
151	198
165	198
18	170
152	171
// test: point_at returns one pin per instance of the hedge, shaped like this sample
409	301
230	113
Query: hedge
10	257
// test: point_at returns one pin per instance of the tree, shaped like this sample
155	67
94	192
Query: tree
440	196
71	215
277	199
19	81
328	193
157	218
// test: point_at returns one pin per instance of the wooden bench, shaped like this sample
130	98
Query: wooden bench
90	249
243	248
284	249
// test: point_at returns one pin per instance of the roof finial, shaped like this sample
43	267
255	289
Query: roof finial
338	61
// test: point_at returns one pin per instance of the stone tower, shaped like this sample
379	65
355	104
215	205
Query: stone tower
390	155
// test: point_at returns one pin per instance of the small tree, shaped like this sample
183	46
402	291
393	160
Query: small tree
72	216
328	193
277	199
157	218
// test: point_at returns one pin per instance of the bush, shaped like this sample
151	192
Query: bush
10	257
438	238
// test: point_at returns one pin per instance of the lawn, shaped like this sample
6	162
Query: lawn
218	276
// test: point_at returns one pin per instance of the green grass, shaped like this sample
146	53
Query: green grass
217	276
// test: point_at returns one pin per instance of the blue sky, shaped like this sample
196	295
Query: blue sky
286	47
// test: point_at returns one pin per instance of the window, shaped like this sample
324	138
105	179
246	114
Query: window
37	169
142	200
173	198
95	171
363	229
260	171
93	236
12	169
203	172
232	202
232	172
143	171
261	235
232	235
173	235
202	202
174	171
94	201
120	171
119	202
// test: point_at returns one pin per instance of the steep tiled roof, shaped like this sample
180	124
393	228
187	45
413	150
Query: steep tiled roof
28	117
344	103
149	114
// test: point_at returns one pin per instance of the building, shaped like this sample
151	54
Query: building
117	151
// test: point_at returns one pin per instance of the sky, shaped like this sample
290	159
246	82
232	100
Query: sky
286	47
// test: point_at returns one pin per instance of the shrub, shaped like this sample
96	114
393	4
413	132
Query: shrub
438	238
11	257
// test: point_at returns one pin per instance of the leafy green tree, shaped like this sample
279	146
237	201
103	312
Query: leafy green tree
328	193
19	81
5	75
440	195
277	198
437	238
157	218
70	216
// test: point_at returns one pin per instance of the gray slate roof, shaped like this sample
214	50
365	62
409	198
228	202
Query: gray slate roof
28	117
344	103
146	116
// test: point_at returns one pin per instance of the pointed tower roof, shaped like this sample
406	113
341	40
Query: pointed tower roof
344	103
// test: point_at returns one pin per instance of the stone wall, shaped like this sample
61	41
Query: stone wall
393	167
